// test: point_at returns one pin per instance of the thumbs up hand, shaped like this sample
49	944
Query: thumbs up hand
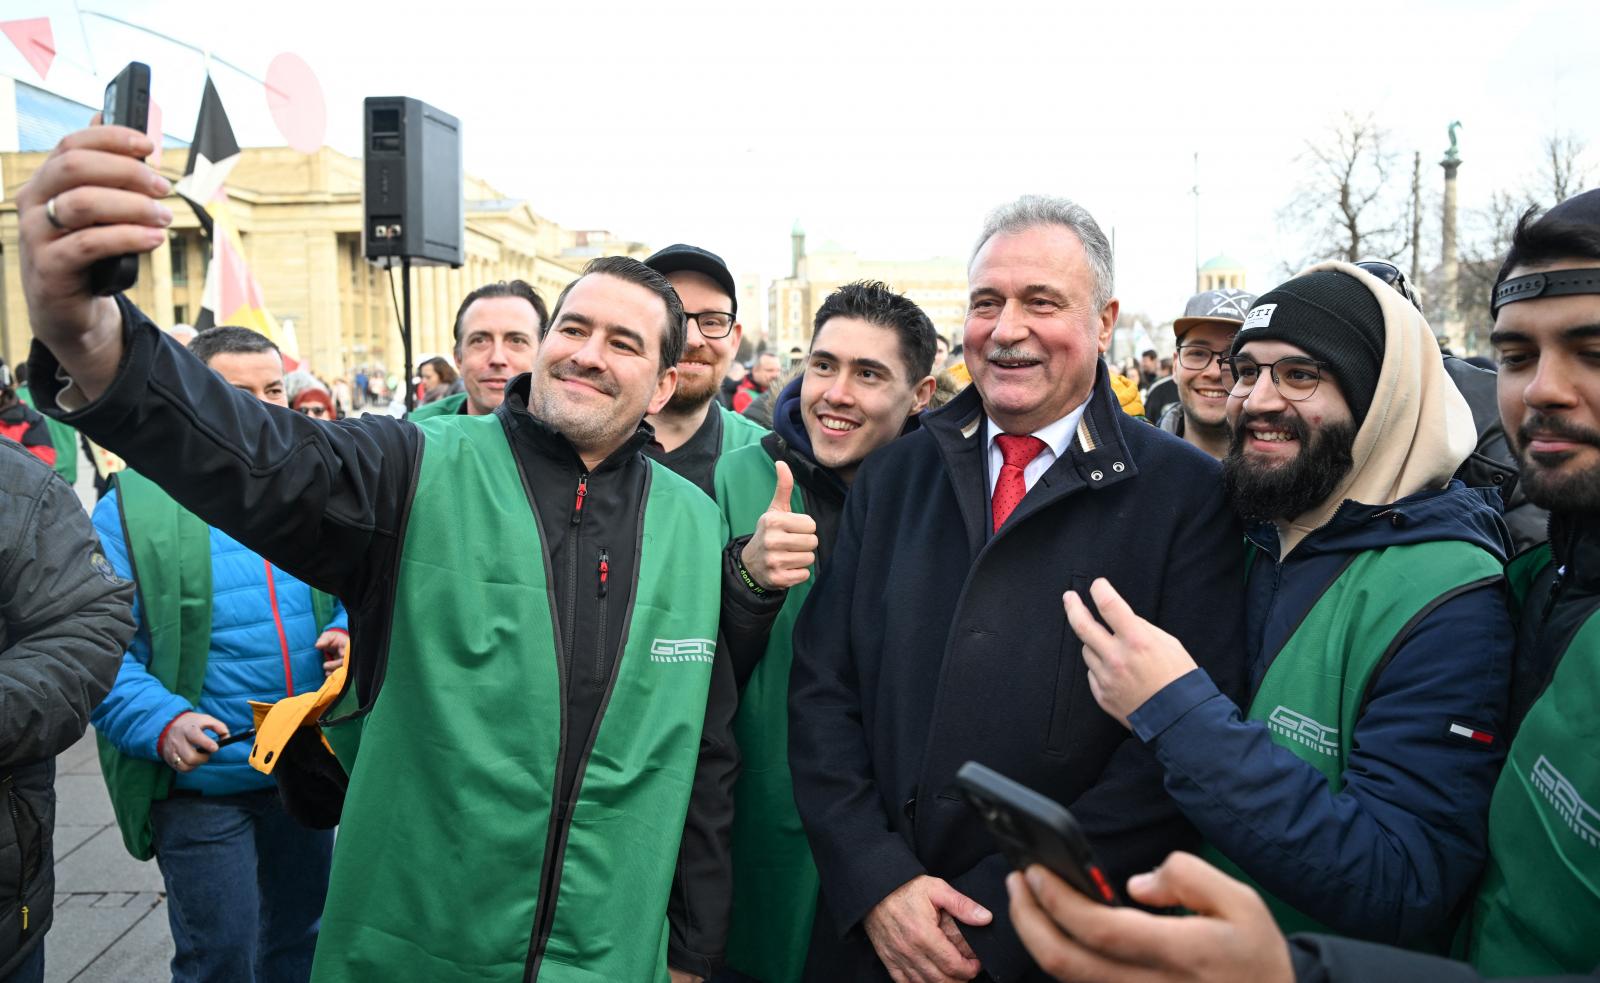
780	553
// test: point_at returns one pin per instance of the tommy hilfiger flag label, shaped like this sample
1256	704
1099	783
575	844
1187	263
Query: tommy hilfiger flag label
1472	734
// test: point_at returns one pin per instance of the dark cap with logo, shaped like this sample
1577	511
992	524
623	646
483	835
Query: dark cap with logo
1227	305
679	257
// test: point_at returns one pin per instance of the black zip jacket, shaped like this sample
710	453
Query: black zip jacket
329	502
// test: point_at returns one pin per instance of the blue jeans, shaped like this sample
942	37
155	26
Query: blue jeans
245	887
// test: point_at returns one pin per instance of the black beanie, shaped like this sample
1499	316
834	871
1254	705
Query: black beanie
1336	319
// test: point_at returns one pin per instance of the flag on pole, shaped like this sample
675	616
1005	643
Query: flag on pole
231	294
212	156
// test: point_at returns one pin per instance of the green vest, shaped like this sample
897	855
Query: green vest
169	549
449	827
63	437
439	407
774	879
1313	693
739	431
1538	907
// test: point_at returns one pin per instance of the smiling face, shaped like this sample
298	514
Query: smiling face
598	371
705	360
498	338
1204	393
1287	456
1549	388
856	394
1033	335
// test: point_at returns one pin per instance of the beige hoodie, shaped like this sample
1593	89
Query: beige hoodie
1418	430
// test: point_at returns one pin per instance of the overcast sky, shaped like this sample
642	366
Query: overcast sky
893	128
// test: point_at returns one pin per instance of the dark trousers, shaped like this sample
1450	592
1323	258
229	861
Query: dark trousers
245	887
30	970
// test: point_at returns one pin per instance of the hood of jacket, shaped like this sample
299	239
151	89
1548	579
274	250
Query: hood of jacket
1418	430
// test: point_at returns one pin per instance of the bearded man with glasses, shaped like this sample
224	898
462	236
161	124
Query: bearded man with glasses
694	430
1353	786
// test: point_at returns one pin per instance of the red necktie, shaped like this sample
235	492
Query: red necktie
1016	452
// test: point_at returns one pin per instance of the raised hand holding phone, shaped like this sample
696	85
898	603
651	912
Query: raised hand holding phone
94	198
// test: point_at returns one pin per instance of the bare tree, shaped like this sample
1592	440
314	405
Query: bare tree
1565	171
1352	203
1486	234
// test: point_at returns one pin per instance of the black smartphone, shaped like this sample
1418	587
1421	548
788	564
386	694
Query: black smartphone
127	104
236	737
1034	829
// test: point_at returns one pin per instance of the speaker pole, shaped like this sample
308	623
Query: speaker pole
405	330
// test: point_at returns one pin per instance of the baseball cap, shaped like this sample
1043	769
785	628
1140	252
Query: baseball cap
1227	305
679	256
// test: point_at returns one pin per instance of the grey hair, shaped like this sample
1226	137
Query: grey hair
1031	211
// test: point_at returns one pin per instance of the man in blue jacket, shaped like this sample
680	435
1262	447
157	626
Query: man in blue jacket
218	626
1354	785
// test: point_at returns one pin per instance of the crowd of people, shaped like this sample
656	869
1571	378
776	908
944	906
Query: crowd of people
614	661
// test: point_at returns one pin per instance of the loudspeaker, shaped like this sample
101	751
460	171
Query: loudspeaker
412	199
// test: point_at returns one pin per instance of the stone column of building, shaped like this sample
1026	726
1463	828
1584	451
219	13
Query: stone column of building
161	282
1449	316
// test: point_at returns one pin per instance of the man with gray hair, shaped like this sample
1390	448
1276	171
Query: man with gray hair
920	650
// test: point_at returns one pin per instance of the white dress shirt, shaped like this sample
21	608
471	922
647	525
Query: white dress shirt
1056	437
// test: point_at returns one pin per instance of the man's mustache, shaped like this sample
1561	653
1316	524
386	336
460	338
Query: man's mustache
1555	426
594	377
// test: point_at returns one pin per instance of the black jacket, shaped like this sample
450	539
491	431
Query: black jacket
928	642
65	620
329	503
1560	601
1492	465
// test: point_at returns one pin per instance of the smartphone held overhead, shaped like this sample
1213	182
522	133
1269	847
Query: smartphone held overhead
127	103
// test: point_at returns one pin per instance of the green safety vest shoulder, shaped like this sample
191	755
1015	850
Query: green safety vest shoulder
1315	690
774	879
739	431
452	845
1538	906
169	549
447	406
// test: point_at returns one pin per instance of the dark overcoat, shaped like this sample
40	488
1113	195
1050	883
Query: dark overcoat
929	641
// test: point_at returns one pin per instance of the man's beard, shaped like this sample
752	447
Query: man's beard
693	394
1548	487
1265	494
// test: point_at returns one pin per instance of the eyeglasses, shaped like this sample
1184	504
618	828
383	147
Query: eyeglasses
713	324
1296	376
1197	358
314	410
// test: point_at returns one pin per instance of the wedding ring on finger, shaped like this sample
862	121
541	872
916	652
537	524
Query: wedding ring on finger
50	213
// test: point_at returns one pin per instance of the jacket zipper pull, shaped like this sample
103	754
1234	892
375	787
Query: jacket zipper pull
577	506
24	918
605	570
